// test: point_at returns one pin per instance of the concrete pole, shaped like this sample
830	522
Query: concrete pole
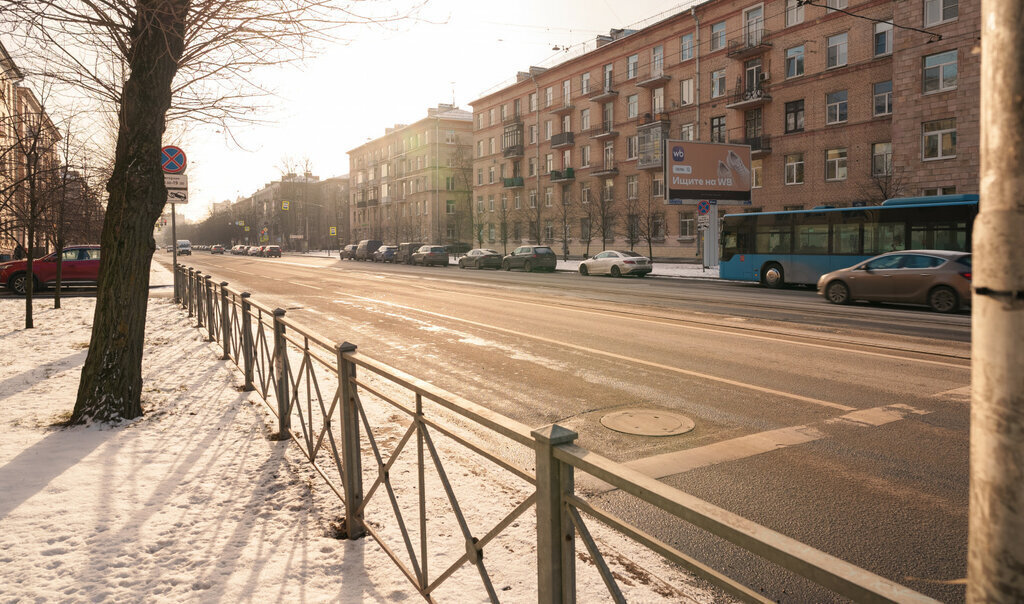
996	541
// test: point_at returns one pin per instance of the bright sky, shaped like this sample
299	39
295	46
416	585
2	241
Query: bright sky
350	94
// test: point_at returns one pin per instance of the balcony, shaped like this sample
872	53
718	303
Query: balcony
564	139
754	41
560	175
759	145
515	118
655	78
608	168
745	98
606	94
516	182
562	109
602	132
513	151
647	120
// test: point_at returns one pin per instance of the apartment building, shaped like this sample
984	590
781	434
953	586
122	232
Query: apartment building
412	184
10	75
842	102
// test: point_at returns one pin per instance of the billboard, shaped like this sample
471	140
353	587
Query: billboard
707	171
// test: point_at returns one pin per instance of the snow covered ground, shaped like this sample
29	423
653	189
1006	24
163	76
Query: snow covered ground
193	503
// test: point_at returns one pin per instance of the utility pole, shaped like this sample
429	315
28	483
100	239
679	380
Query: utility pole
996	538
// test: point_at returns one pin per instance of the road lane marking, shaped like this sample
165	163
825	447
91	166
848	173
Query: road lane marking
304	285
734	449
612	355
962	394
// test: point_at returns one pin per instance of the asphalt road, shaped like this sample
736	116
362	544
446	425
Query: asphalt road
845	428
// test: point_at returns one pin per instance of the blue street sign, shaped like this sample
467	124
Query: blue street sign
172	160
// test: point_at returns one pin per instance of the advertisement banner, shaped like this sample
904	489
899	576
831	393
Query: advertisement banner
707	171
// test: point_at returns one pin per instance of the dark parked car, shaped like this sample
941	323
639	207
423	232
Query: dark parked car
80	266
385	253
941	279
272	251
348	252
405	252
481	258
531	258
431	254
366	248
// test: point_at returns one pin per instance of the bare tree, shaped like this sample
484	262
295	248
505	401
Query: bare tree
607	214
886	182
155	59
588	215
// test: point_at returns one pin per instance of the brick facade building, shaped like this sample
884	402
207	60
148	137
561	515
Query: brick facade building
842	102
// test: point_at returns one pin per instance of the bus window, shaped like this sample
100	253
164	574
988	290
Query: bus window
811	234
884	237
949	237
773	239
845	238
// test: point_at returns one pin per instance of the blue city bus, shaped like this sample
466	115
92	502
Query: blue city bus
776	248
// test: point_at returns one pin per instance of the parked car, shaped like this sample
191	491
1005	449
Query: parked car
938	278
481	258
366	248
80	266
616	263
531	258
385	253
254	250
217	249
272	251
239	249
170	249
430	254
405	252
348	252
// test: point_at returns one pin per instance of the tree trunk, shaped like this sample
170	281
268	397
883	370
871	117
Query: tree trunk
111	384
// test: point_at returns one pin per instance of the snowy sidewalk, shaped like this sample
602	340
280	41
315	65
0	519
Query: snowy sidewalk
191	502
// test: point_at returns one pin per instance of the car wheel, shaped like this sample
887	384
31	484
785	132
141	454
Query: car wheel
641	275
528	267
505	266
772	276
616	272
583	270
18	284
462	264
943	299
837	293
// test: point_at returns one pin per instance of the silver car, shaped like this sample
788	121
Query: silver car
617	263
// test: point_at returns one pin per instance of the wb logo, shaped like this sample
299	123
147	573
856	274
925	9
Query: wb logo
678	154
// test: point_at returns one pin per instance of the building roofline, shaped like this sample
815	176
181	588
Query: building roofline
6	58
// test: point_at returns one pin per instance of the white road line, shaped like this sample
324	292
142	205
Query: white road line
620	357
958	394
304	285
677	462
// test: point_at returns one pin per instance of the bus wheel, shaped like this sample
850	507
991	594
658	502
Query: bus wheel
837	293
772	276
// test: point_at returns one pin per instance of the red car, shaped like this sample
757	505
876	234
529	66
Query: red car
80	266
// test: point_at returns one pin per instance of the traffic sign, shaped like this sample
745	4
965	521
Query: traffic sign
334	231
284	205
703	221
172	160
246	229
175	181
179	196
703	207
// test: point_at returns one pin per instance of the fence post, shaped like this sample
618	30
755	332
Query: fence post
188	289
208	290
248	354
225	320
556	545
198	289
281	375
353	466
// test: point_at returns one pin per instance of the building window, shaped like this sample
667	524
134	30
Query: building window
939	11
631	147
504	201
533	101
549	96
548	196
517	200
533	198
940	72
835	164
585	156
631	187
686	47
490	203
585	120
795	116
566	158
686	92
490	175
933	191
479	176
883	38
658	186
795	169
756	166
608	69
479	204
657	101
834	4
939	140
632	62
718	129
585	83
450	206
686	132
531	167
549	230
549	163
836	51
794	12
585	193
883	98
717	83
686	224
835	107
533	134
718	36
795	61
881	159
632	105
547	130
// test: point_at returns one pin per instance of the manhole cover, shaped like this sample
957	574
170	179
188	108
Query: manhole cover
647	422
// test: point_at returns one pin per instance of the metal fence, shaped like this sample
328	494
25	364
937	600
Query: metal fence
313	387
